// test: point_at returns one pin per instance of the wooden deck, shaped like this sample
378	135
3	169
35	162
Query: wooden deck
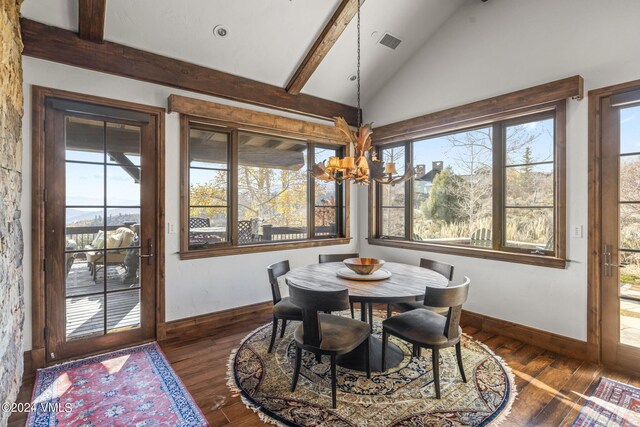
86	313
551	388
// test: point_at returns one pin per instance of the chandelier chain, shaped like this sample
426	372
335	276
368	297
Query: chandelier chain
358	69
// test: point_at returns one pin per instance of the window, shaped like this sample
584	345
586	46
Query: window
393	198
249	191
491	188
208	186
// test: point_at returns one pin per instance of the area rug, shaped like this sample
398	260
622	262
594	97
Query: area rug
402	396
131	387
612	404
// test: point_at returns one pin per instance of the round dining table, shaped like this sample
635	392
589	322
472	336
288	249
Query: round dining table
406	283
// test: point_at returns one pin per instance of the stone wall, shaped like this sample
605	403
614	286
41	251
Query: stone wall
11	244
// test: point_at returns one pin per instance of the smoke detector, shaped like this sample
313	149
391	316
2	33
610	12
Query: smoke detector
390	41
220	31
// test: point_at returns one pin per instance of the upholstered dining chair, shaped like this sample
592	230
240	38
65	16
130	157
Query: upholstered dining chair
283	309
439	267
322	333
339	258
424	328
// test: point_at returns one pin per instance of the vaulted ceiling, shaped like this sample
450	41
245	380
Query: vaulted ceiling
267	39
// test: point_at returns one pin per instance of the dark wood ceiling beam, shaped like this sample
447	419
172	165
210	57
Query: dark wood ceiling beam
64	46
345	12
91	17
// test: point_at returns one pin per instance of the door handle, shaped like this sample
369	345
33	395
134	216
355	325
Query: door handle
607	262
149	255
617	265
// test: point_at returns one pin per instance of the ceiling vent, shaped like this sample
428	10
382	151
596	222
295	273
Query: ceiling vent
390	41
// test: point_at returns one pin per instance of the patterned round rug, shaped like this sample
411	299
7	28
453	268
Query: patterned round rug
402	396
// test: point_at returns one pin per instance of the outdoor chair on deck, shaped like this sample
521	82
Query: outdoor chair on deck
481	237
119	239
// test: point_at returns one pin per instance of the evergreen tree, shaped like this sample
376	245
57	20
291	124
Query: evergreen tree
443	203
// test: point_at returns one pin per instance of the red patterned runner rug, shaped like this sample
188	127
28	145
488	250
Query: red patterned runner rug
612	404
131	387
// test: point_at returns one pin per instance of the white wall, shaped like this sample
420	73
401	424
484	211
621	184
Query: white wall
192	287
487	49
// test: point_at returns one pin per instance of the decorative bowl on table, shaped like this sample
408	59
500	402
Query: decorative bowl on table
363	266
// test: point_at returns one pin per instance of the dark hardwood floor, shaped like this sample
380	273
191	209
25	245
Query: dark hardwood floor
551	388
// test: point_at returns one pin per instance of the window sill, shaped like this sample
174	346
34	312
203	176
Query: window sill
520	258
248	249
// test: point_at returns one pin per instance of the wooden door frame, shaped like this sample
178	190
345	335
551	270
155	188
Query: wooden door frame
594	297
39	95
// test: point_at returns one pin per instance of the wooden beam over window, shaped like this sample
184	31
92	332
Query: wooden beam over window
346	10
64	46
417	127
91	17
256	120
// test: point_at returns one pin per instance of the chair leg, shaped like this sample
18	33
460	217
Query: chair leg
385	340
319	357
368	360
389	311
371	316
274	331
353	315
435	361
296	371
417	350
333	380
460	366
284	327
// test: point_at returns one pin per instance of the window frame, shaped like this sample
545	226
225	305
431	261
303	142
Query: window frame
232	246
499	250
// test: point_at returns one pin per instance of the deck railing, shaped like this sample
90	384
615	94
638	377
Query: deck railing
84	235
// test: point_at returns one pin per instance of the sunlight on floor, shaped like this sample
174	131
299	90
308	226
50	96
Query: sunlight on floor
59	386
115	365
539	384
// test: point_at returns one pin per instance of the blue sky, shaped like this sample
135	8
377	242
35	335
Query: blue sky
630	130
440	148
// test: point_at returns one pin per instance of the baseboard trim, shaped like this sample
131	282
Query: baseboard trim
560	344
216	322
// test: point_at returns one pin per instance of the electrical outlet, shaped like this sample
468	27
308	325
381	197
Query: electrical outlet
576	231
171	229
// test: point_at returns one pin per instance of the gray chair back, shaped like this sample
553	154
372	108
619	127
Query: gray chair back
276	270
323	258
453	297
311	302
439	267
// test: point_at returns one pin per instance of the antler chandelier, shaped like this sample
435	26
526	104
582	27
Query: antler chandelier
364	166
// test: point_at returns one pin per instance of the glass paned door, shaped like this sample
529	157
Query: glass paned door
629	225
621	234
100	271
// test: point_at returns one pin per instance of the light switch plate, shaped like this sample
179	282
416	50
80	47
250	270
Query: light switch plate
171	228
576	231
